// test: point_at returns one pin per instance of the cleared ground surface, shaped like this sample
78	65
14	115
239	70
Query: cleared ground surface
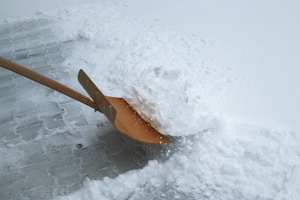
42	154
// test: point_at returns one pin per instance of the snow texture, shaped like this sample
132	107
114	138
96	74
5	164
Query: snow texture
171	80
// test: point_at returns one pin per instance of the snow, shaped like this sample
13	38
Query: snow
161	88
241	162
233	137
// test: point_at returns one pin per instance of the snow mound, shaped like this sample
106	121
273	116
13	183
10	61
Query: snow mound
166	77
235	162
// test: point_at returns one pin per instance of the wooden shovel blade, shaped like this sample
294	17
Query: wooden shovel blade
121	115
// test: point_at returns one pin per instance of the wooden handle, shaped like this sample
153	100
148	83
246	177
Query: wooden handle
46	81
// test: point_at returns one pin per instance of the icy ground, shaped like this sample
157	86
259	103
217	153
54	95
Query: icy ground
170	78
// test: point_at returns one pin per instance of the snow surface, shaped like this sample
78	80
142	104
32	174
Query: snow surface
166	77
173	80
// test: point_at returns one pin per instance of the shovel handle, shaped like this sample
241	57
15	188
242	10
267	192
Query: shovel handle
19	69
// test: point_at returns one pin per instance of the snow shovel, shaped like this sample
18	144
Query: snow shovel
117	110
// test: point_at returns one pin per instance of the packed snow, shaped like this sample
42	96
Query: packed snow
173	81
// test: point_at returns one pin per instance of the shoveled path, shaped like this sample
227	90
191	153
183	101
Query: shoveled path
48	143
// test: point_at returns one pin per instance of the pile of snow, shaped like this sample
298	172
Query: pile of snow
236	162
169	80
166	77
